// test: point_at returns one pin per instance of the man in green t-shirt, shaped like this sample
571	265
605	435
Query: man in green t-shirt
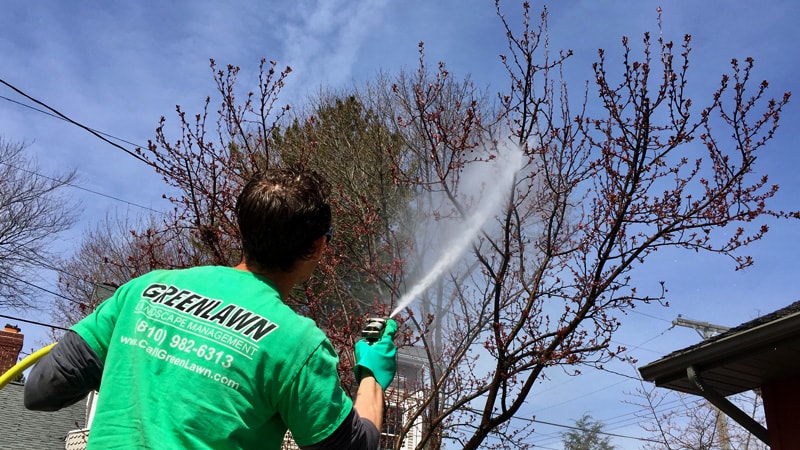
211	357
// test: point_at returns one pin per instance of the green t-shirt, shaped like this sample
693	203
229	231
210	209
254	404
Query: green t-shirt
209	358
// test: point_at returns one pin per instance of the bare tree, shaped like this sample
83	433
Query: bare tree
441	124
603	186
111	254
216	152
678	421
33	209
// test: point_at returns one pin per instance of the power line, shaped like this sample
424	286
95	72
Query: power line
49	325
649	315
73	185
640	345
620	374
94	131
82	188
25	105
78	124
44	264
626	419
621	419
77	302
572	427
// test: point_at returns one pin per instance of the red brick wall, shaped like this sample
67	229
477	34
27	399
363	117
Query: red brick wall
10	346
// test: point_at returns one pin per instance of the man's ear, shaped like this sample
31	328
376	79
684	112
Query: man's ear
319	248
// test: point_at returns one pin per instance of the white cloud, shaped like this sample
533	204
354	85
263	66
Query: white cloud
322	39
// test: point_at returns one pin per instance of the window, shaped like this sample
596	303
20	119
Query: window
392	424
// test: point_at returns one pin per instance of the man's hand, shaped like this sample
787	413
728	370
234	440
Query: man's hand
378	358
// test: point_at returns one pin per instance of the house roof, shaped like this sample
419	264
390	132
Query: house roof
743	358
22	428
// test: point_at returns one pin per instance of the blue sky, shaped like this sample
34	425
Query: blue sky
118	68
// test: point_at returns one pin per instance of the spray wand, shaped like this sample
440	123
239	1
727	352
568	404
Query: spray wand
373	330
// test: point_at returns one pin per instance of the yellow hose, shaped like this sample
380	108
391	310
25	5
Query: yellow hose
15	371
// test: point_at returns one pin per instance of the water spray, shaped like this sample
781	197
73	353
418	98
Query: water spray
455	250
499	185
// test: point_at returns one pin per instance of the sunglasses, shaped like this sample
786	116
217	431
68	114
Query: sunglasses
329	235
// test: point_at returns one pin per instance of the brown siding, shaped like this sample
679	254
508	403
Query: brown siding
780	408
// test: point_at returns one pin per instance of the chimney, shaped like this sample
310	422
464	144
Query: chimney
10	346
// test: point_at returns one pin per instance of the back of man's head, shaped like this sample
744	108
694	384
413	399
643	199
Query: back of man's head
281	212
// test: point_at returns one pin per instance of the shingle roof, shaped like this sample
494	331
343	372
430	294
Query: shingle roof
748	356
35	430
794	308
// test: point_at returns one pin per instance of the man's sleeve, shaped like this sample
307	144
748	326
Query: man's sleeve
65	375
74	366
318	411
355	433
97	328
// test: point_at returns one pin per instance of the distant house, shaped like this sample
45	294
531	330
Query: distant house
24	429
761	354
403	397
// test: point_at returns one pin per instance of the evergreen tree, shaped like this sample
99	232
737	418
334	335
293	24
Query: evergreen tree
587	435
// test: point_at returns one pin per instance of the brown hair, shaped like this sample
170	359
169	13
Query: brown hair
280	214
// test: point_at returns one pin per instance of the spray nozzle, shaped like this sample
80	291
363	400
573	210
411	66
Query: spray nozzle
373	330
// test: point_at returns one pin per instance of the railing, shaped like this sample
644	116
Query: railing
76	439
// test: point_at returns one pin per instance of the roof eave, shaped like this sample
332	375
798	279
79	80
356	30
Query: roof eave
739	345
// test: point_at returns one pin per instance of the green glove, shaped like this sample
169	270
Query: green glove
378	358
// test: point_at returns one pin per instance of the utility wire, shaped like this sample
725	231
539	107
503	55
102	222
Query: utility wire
614	372
64	117
572	427
25	105
77	302
611	424
649	315
605	433
97	133
82	188
630	348
59	270
49	325
631	418
621	419
93	131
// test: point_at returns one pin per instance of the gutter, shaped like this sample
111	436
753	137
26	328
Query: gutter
730	347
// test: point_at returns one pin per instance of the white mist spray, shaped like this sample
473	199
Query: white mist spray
505	166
